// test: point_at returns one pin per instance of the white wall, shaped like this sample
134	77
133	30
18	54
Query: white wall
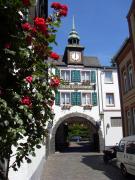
30	171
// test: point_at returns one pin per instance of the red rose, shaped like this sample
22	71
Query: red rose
64	7
54	56
26	26
29	79
26	101
63	12
26	2
55	82
7	45
39	21
56	5
40	24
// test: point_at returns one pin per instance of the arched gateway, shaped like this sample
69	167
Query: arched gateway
70	117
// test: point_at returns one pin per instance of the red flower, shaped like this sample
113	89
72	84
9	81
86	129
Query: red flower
54	56
64	7
51	103
39	21
63	12
26	26
26	101
7	45
56	5
55	82
40	24
26	2
29	79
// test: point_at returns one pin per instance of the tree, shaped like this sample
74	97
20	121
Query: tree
26	88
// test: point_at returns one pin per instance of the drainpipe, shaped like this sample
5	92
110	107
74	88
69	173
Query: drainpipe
102	106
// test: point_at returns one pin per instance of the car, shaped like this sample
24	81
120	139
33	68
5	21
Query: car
126	155
76	138
109	154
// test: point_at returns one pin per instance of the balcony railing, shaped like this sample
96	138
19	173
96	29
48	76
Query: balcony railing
86	83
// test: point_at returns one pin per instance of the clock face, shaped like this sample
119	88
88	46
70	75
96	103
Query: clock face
75	56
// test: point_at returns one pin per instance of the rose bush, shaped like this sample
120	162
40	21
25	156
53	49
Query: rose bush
26	88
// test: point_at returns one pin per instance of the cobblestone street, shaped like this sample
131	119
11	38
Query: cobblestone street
80	166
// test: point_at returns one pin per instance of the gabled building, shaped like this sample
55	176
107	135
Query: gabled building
125	60
89	95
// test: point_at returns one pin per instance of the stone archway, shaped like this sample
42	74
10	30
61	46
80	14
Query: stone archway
51	144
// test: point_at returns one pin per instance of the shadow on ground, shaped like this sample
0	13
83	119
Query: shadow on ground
76	147
96	163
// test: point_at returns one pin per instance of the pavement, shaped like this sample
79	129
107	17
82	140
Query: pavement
80	165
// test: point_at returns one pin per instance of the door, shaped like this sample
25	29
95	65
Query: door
121	152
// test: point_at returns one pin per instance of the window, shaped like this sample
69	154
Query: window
130	76
125	82
65	98
109	99
85	76
116	122
129	122
108	77
86	98
65	75
130	148
122	146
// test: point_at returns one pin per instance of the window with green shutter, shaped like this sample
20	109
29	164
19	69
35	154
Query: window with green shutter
94	99
75	76
57	98
73	98
76	98
93	77
57	72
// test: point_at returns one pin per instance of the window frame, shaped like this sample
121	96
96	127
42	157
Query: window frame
105	78
113	104
86	98
85	76
65	75
65	98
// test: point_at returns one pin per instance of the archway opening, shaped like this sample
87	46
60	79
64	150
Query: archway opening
76	134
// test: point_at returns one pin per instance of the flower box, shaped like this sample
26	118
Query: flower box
87	107
66	106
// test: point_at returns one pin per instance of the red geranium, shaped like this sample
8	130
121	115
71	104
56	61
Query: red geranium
29	79
26	2
54	56
55	82
64	7
26	26
26	101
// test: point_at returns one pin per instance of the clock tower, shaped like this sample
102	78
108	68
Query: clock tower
74	51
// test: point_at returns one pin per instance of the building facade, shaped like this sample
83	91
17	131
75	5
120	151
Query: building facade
89	94
125	60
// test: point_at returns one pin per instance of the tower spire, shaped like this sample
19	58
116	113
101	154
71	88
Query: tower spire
73	25
73	38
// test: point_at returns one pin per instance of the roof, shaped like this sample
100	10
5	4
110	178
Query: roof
88	61
131	138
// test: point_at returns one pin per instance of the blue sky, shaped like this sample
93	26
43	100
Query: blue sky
101	25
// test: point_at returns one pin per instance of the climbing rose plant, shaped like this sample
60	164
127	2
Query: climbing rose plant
26	88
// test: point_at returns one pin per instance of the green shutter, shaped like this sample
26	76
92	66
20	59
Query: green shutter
75	76
57	98
93	76
57	72
94	99
73	98
78	98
